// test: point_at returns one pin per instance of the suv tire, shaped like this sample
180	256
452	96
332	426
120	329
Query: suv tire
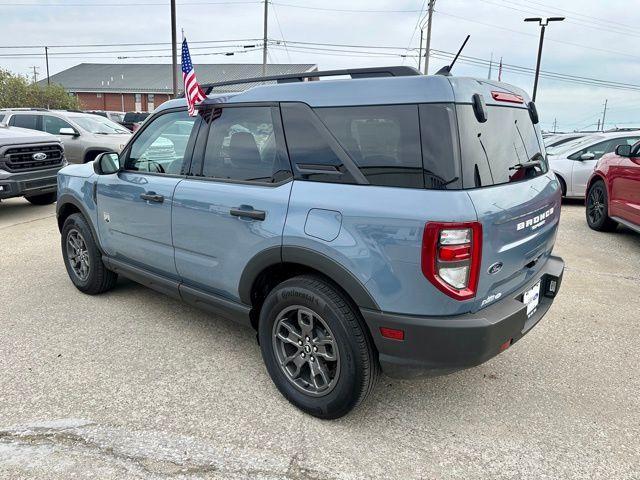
83	259
597	210
330	364
43	199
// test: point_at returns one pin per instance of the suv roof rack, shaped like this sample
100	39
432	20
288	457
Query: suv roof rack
398	71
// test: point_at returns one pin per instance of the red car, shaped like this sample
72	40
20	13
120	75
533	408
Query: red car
613	191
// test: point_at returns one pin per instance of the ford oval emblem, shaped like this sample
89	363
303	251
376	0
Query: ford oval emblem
495	268
39	156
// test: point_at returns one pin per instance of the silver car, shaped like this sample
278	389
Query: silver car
83	135
573	162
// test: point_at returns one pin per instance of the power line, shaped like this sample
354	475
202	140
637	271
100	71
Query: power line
344	10
576	22
500	27
110	5
136	44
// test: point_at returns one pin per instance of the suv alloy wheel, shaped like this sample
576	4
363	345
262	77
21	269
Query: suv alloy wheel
315	347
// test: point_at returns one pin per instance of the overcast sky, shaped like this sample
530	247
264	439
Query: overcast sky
598	40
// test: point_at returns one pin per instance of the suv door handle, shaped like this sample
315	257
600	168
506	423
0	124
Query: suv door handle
152	197
248	213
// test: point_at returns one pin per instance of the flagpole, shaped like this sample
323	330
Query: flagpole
174	50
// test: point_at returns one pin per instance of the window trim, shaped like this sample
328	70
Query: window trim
200	147
188	153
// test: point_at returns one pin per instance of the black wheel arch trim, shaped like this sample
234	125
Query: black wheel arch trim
308	258
68	199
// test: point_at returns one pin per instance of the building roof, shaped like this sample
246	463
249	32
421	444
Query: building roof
156	78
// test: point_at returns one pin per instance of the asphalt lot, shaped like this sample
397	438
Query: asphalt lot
132	384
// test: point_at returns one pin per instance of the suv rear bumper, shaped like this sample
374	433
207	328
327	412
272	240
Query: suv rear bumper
440	345
29	183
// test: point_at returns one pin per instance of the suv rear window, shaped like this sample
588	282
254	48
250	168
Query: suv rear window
398	145
383	141
494	152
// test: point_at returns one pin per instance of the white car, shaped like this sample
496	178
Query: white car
573	162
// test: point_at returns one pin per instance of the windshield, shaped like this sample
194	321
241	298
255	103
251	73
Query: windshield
117	117
99	125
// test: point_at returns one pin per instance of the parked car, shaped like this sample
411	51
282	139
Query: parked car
29	163
614	190
84	135
133	120
402	222
114	116
561	138
574	162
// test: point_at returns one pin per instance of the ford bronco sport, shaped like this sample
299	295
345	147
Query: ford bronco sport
393	221
29	163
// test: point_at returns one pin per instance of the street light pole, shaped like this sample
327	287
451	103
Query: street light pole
543	24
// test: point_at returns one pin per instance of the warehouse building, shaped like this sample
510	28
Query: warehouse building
142	87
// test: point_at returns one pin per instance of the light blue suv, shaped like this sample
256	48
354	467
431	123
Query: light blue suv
393	221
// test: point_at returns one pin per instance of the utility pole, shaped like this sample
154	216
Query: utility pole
490	65
555	124
420	50
428	46
543	24
46	56
264	38
174	50
35	73
598	127
604	113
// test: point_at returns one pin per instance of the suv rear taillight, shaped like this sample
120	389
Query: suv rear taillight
451	257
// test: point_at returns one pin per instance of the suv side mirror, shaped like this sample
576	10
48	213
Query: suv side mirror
68	131
623	150
588	156
107	163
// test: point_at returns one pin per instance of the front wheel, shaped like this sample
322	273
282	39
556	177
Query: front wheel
43	199
597	208
316	348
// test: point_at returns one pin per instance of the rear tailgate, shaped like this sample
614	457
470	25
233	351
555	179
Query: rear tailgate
519	224
516	197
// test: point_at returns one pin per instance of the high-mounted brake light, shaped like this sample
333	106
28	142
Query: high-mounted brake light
507	97
451	257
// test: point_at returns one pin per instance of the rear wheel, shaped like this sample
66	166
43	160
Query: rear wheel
43	199
597	208
316	348
83	259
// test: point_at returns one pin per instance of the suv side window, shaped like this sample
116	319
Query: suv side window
161	147
383	141
53	125
599	149
26	121
245	144
308	141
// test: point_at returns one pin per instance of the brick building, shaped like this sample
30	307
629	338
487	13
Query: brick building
142	87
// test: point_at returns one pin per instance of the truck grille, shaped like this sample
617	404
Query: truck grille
33	157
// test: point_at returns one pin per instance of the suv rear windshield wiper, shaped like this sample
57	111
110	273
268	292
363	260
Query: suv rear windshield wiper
536	161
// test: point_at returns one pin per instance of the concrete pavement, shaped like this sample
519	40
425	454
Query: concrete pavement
132	384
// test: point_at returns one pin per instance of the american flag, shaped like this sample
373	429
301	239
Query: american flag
192	90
